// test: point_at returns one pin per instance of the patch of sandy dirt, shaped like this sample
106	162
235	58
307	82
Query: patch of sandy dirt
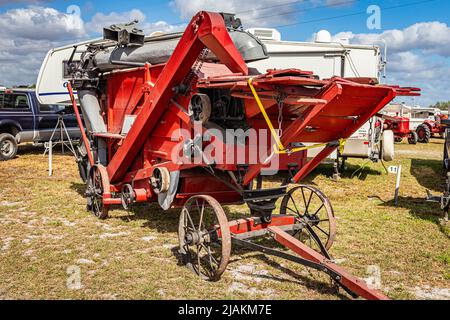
429	293
113	235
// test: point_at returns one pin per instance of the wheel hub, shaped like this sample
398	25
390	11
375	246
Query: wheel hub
312	220
6	147
195	238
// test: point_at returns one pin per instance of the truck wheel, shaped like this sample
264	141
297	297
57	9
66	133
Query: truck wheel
424	133
413	138
388	145
8	147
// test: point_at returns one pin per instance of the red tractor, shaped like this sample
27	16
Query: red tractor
429	128
401	128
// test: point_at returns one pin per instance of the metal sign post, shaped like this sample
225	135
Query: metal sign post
398	171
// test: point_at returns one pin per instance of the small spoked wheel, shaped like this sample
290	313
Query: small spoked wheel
204	236
97	186
313	208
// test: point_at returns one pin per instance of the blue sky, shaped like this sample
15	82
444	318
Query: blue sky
419	34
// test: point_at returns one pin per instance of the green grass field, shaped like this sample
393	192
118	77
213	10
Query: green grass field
45	232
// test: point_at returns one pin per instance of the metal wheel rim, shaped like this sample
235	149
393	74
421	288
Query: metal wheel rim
322	215
7	148
209	259
97	190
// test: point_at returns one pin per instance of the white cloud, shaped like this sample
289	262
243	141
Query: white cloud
252	14
100	20
29	33
39	23
434	37
418	55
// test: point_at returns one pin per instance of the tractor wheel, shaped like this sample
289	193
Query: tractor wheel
8	147
424	133
413	138
398	140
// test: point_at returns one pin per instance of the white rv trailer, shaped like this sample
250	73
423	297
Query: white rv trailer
51	85
419	115
328	59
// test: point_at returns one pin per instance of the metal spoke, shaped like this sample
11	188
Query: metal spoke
292	210
295	205
323	231
190	219
211	257
309	202
198	261
319	209
303	195
296	232
201	217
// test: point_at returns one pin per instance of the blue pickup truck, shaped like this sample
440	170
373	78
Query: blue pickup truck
23	119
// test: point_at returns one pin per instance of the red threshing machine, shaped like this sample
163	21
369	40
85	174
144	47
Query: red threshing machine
134	109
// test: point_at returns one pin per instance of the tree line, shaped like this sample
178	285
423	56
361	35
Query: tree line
442	105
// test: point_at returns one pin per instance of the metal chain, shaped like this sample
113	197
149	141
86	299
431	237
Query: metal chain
370	132
280	101
197	67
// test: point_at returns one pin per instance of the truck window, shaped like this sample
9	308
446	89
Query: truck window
53	108
13	101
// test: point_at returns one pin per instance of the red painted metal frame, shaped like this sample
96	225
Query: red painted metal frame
349	281
350	130
80	123
298	126
206	29
248	225
355	285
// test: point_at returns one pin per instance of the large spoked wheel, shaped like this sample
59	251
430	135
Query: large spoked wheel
97	187
313	208
204	236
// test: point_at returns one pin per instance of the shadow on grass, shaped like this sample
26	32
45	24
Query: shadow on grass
38	150
78	187
306	281
27	149
418	208
361	172
429	173
153	217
